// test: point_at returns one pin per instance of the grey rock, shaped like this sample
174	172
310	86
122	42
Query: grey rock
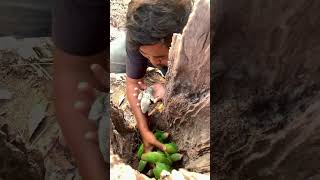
146	98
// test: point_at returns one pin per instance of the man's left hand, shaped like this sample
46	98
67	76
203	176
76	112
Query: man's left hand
158	91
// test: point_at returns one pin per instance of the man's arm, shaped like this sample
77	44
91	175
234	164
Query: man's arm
147	135
69	70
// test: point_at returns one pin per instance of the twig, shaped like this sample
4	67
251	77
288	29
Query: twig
39	72
45	72
46	59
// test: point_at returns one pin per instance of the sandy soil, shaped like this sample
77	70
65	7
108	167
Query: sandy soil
29	113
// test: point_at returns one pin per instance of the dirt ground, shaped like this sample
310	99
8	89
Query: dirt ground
26	74
118	11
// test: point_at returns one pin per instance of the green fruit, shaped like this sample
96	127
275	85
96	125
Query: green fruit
159	168
171	148
154	157
140	151
161	136
176	157
142	165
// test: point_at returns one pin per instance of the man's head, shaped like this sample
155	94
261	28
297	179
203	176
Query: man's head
151	24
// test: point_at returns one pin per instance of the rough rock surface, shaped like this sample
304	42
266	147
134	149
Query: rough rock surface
266	86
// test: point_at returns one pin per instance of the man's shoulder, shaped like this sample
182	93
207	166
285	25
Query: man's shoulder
136	64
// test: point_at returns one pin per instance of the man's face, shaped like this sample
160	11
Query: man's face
157	54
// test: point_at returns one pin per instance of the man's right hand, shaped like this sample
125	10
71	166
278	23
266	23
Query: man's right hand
149	141
134	86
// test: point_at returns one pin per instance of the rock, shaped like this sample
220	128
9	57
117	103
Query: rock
145	97
192	175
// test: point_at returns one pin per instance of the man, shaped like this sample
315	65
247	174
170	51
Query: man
80	36
150	26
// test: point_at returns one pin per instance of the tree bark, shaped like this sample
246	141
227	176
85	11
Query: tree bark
266	86
187	102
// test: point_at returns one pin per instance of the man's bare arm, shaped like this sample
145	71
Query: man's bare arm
141	119
69	70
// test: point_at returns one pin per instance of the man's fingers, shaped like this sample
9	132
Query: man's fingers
157	144
136	89
82	107
148	149
160	146
84	86
87	92
100	73
91	136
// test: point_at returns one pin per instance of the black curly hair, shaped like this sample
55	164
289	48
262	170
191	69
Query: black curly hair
152	21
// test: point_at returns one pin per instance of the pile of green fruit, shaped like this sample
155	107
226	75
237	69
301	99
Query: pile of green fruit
157	159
